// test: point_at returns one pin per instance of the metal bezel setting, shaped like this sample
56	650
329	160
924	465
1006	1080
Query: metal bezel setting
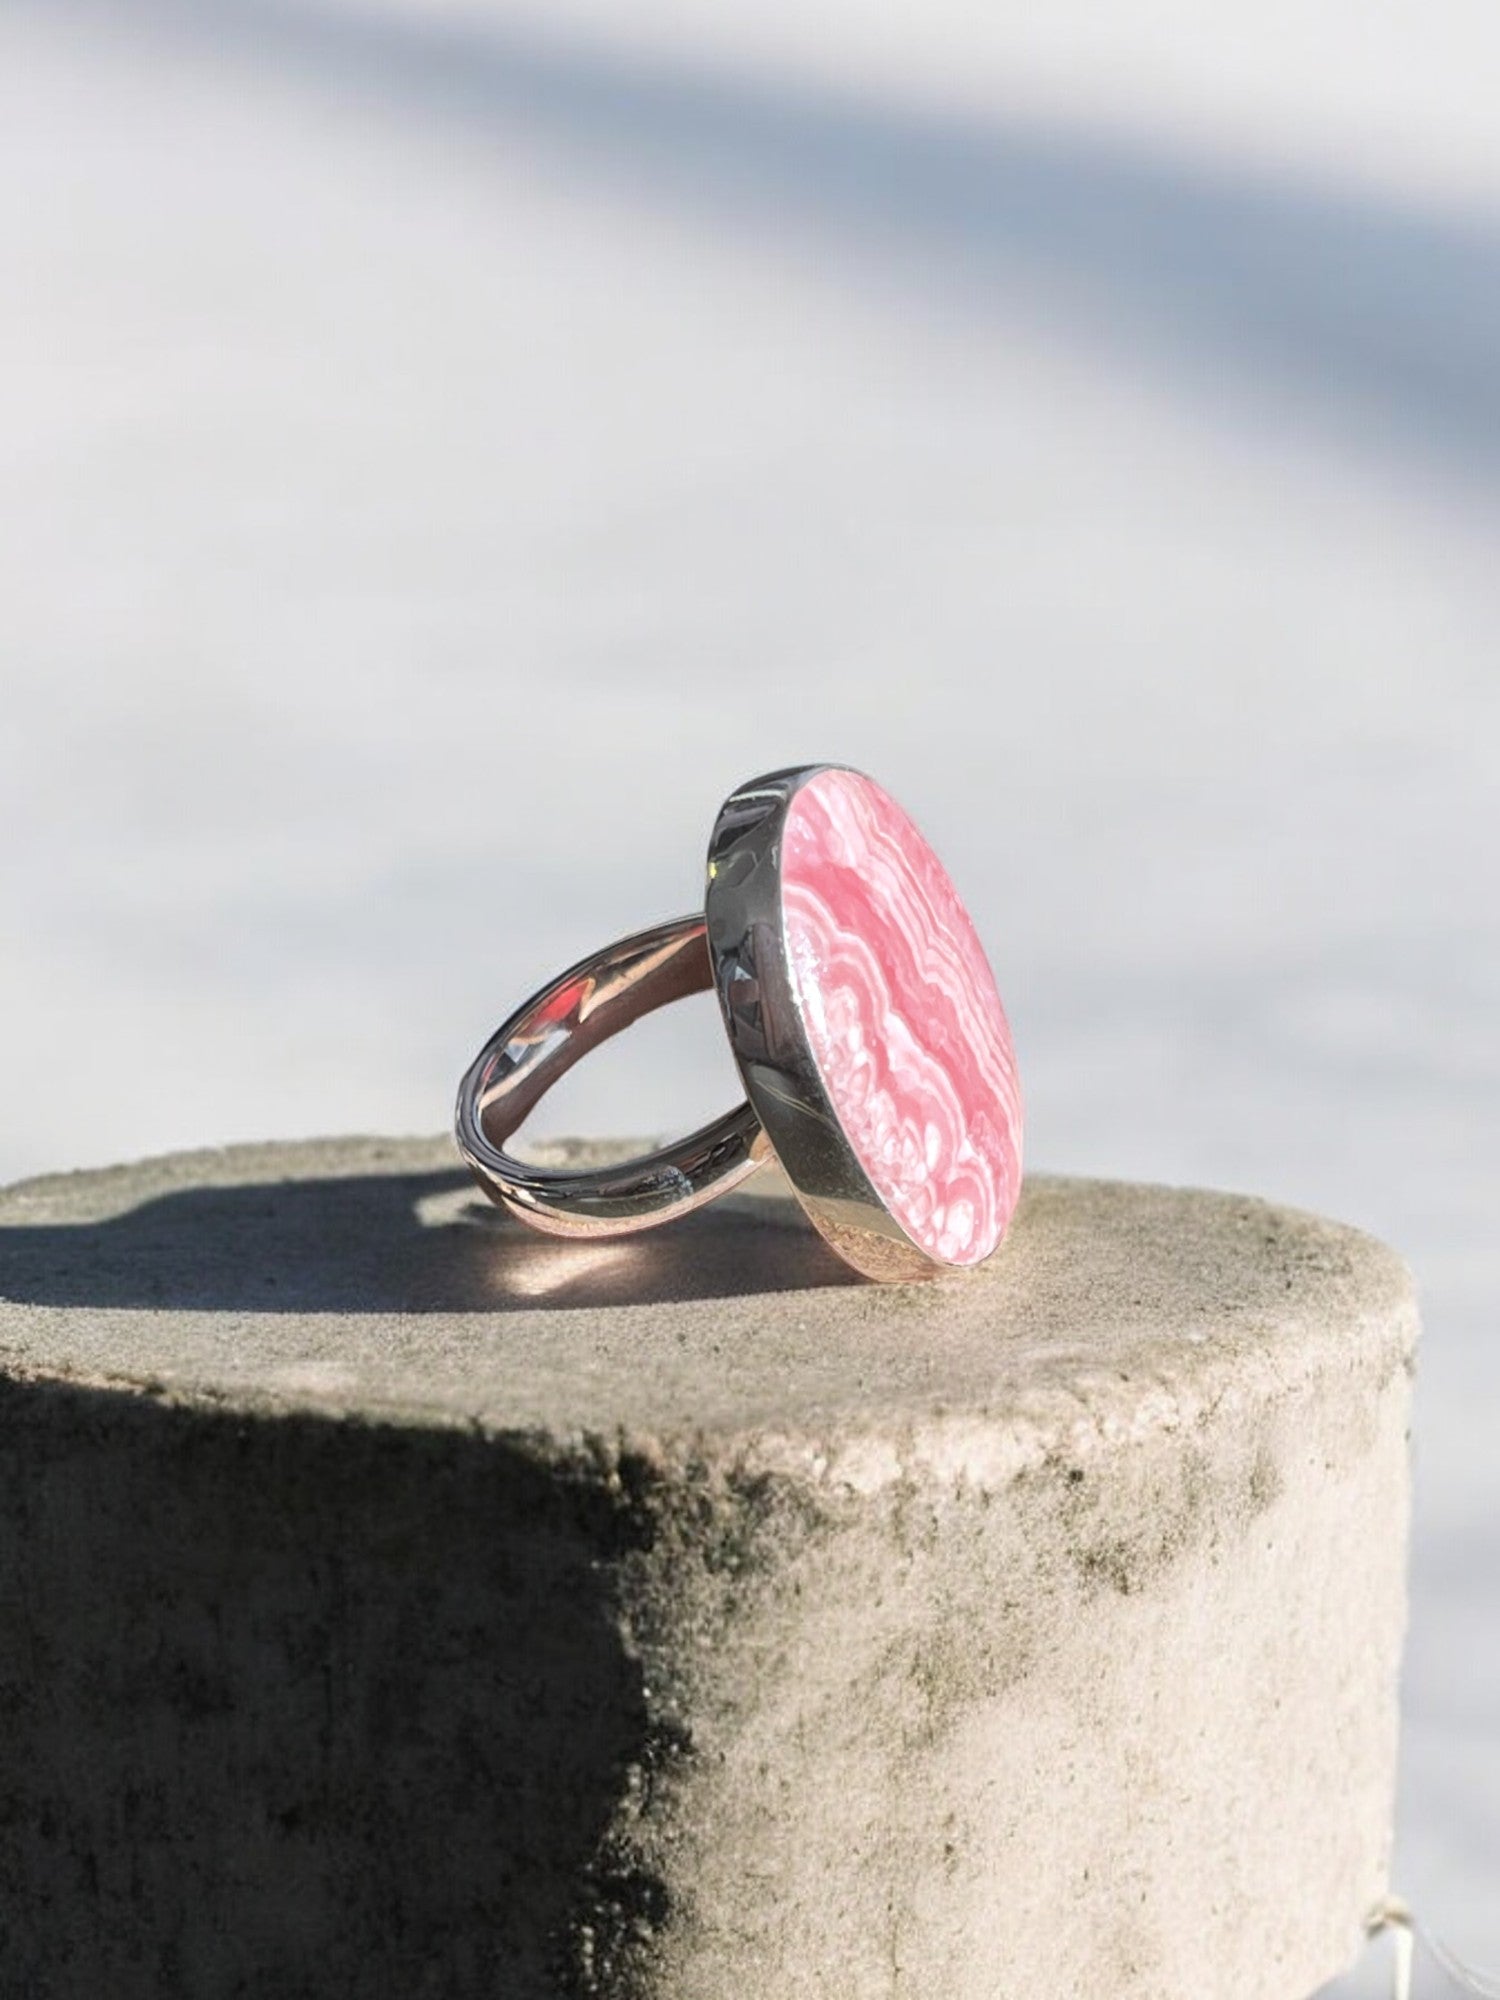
758	999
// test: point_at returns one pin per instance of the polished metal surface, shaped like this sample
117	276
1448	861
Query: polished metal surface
758	999
525	1056
739	948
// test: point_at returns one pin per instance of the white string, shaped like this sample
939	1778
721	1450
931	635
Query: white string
1393	1915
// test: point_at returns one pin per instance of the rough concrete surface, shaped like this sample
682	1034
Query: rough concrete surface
395	1603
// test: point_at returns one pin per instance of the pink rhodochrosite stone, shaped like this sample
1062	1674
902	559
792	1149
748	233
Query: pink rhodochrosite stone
902	1015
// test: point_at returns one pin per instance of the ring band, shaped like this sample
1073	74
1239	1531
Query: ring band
862	1014
583	1007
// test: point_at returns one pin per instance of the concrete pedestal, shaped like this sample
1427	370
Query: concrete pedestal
395	1603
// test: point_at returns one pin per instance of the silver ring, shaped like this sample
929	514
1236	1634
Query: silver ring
860	1009
523	1059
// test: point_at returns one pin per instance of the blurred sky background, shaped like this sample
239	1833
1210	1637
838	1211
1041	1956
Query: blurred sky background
445	448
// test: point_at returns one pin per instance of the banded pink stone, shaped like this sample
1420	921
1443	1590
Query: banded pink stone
902	1015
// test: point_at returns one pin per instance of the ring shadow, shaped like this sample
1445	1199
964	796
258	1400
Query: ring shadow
398	1243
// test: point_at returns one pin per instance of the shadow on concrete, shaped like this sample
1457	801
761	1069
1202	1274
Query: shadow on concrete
1370	316
397	1243
298	1708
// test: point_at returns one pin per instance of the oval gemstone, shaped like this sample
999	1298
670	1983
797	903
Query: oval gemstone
902	1015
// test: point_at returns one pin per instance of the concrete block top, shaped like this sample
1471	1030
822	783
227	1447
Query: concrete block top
364	1275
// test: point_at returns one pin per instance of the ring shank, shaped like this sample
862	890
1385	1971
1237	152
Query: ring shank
527	1054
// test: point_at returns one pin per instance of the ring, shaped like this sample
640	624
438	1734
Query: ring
861	1010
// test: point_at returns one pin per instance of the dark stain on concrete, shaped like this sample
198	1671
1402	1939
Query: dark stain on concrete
300	1707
